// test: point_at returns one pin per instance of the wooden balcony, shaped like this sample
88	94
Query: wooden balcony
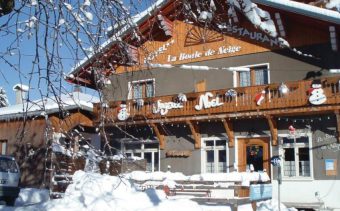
219	105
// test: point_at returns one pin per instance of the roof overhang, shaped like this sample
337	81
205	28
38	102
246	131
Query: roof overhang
303	9
76	75
81	74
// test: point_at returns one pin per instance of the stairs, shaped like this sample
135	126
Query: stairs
63	170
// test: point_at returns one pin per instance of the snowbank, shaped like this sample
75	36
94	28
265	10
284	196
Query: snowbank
272	205
32	196
220	177
92	191
96	192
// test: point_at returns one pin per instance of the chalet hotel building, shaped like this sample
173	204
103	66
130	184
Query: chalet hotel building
205	88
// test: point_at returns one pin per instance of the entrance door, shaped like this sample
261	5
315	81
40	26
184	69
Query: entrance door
253	153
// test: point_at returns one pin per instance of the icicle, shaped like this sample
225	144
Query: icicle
160	65
236	68
195	67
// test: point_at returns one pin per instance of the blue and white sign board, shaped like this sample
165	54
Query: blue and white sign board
275	160
260	192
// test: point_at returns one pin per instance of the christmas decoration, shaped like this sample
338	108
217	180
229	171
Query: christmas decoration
291	130
140	103
123	113
260	97
206	102
164	107
181	98
317	96
231	93
283	89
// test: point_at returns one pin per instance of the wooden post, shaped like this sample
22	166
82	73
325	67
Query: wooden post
228	126
160	136
337	115
253	205
273	129
195	132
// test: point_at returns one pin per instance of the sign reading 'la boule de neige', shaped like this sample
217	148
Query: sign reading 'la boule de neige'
199	54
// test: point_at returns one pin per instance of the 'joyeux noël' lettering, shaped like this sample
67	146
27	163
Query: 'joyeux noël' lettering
206	102
163	108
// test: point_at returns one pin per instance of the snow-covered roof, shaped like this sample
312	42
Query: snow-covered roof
288	5
49	105
303	9
20	87
137	19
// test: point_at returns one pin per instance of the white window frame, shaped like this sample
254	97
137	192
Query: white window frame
204	148
143	150
130	83
296	146
235	73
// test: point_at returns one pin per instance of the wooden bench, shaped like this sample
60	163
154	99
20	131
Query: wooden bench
194	192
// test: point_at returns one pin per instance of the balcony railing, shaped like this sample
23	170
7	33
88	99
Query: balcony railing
226	101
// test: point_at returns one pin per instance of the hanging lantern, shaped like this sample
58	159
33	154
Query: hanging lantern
283	89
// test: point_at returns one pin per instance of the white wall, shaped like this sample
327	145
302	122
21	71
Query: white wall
303	191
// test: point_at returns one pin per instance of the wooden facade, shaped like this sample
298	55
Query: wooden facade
29	141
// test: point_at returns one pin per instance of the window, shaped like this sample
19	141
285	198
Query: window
214	155
258	75
3	147
200	86
147	151
296	156
142	89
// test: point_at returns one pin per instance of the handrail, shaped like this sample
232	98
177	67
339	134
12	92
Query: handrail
244	100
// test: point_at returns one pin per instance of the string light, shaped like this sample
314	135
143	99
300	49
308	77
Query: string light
311	119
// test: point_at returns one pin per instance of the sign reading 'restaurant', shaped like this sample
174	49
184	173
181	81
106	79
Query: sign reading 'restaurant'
258	36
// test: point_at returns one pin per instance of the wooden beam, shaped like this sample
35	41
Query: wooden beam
195	132
337	115
166	25
229	128
160	135
273	129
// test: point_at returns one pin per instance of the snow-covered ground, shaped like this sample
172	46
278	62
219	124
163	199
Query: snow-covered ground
92	191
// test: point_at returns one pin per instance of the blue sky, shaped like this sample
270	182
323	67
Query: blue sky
25	71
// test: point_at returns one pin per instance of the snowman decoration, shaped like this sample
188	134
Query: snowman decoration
123	113
316	93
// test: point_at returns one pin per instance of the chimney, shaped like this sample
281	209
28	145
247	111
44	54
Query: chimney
20	93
